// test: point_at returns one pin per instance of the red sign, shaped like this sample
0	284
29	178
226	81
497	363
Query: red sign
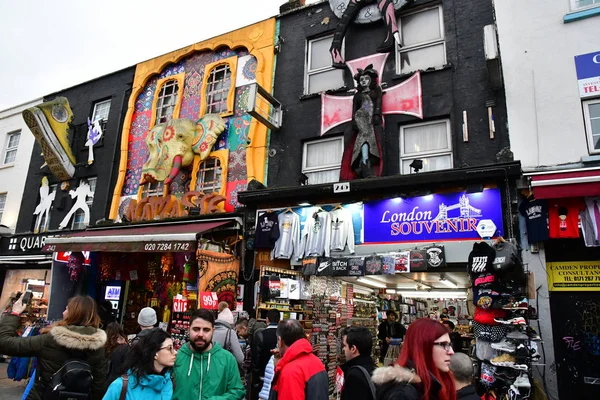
339	380
63	257
209	300
180	305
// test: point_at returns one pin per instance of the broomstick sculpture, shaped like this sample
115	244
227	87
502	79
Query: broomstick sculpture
93	136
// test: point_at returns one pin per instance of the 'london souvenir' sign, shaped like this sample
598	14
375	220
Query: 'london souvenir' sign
436	217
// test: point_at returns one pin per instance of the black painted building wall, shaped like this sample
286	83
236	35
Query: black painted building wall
82	98
462	84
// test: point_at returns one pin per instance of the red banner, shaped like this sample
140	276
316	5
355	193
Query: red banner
63	257
209	300
180	305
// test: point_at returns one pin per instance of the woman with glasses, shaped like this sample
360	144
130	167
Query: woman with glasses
149	373
422	371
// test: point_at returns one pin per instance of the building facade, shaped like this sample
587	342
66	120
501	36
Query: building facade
554	131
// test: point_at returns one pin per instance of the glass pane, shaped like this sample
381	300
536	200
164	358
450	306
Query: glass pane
315	178
434	163
425	138
594	110
101	111
327	80
596	126
323	154
11	155
596	139
421	27
431	56
13	140
585	3
2	201
319	56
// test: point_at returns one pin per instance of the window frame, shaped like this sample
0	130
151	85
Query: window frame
323	168
426	154
307	61
232	64
180	78
8	149
421	45
45	223
87	201
98	103
574	8
223	157
588	124
5	196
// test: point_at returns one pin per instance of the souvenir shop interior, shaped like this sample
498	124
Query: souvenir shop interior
315	267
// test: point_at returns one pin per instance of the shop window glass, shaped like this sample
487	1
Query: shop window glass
429	142
322	160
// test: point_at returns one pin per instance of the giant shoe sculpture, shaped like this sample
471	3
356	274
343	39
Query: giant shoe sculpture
49	123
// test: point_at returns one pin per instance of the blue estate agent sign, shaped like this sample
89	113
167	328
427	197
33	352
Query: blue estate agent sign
436	217
588	74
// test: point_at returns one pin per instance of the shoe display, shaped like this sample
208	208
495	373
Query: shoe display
533	335
512	321
517	305
504	360
504	345
517	335
522	381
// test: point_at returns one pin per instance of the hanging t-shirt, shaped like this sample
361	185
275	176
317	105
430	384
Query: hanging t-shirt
536	219
373	265
316	235
356	266
342	230
563	215
267	231
288	244
418	260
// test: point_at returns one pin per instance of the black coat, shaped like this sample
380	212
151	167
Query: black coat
385	331
53	349
355	383
264	341
467	393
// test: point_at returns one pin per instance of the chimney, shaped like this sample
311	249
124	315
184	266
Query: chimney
291	5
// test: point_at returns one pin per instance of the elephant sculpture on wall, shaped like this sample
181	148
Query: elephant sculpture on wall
173	144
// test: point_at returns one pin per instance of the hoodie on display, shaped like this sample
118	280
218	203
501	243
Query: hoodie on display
211	374
342	230
267	231
481	260
316	236
288	244
151	387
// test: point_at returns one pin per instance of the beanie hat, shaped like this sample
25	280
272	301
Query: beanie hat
226	315
147	317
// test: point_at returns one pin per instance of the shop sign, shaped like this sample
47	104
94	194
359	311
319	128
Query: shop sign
112	293
436	217
159	207
574	276
180	304
209	300
588	74
63	257
23	244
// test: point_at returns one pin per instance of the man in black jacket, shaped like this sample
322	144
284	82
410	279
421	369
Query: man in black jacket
358	343
264	341
388	330
461	366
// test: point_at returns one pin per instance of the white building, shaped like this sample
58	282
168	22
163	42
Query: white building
16	144
550	56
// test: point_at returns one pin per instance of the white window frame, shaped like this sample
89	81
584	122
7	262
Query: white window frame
219	106
214	186
11	149
3	203
321	168
422	45
89	201
45	222
96	107
308	72
425	154
588	124
575	7
153	189
161	107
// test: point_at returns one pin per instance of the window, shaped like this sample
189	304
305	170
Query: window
217	89
153	189
167	100
430	142
12	144
581	4
591	113
45	217
320	75
322	160
79	216
423	43
210	176
2	204
101	110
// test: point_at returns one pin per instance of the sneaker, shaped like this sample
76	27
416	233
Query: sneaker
503	360
522	381
504	345
512	321
522	353
517	305
533	351
513	393
533	335
517	335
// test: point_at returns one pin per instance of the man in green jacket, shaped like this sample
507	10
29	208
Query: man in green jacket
203	369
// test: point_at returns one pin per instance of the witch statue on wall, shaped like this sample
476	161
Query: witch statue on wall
362	156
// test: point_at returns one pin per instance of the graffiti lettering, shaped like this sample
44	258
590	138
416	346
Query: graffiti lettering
572	343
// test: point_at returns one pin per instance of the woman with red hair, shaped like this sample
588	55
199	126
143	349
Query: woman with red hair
423	368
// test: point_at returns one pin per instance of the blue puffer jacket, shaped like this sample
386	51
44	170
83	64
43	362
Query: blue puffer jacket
150	387
269	372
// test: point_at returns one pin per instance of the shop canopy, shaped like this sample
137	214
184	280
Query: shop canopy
177	237
569	183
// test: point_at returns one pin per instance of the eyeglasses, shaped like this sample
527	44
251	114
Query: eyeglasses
170	348
444	345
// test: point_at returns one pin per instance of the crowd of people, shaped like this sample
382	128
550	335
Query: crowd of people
76	359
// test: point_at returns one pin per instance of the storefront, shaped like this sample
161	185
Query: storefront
357	250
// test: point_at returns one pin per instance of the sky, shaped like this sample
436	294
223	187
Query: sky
47	46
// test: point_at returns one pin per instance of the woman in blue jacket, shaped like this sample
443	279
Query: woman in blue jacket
149	373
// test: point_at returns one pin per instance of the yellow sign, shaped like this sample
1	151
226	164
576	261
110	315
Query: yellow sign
574	276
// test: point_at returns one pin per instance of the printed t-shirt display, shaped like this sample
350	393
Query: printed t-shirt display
316	235
342	230
563	216
267	231
288	244
536	219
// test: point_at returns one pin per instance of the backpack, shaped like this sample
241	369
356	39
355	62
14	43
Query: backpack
73	381
368	378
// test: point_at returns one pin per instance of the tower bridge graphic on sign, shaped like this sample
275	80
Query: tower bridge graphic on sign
466	209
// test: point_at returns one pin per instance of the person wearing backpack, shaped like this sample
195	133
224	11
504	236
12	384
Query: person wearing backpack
226	336
70	353
149	370
359	366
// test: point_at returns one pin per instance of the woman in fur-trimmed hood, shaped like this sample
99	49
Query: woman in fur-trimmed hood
77	335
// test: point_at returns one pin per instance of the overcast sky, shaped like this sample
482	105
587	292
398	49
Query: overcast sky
47	46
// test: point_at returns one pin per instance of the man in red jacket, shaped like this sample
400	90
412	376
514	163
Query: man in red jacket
299	374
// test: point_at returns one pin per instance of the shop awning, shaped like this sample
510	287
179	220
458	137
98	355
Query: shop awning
27	259
559	184
179	237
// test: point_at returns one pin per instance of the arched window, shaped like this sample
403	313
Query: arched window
167	99
219	87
